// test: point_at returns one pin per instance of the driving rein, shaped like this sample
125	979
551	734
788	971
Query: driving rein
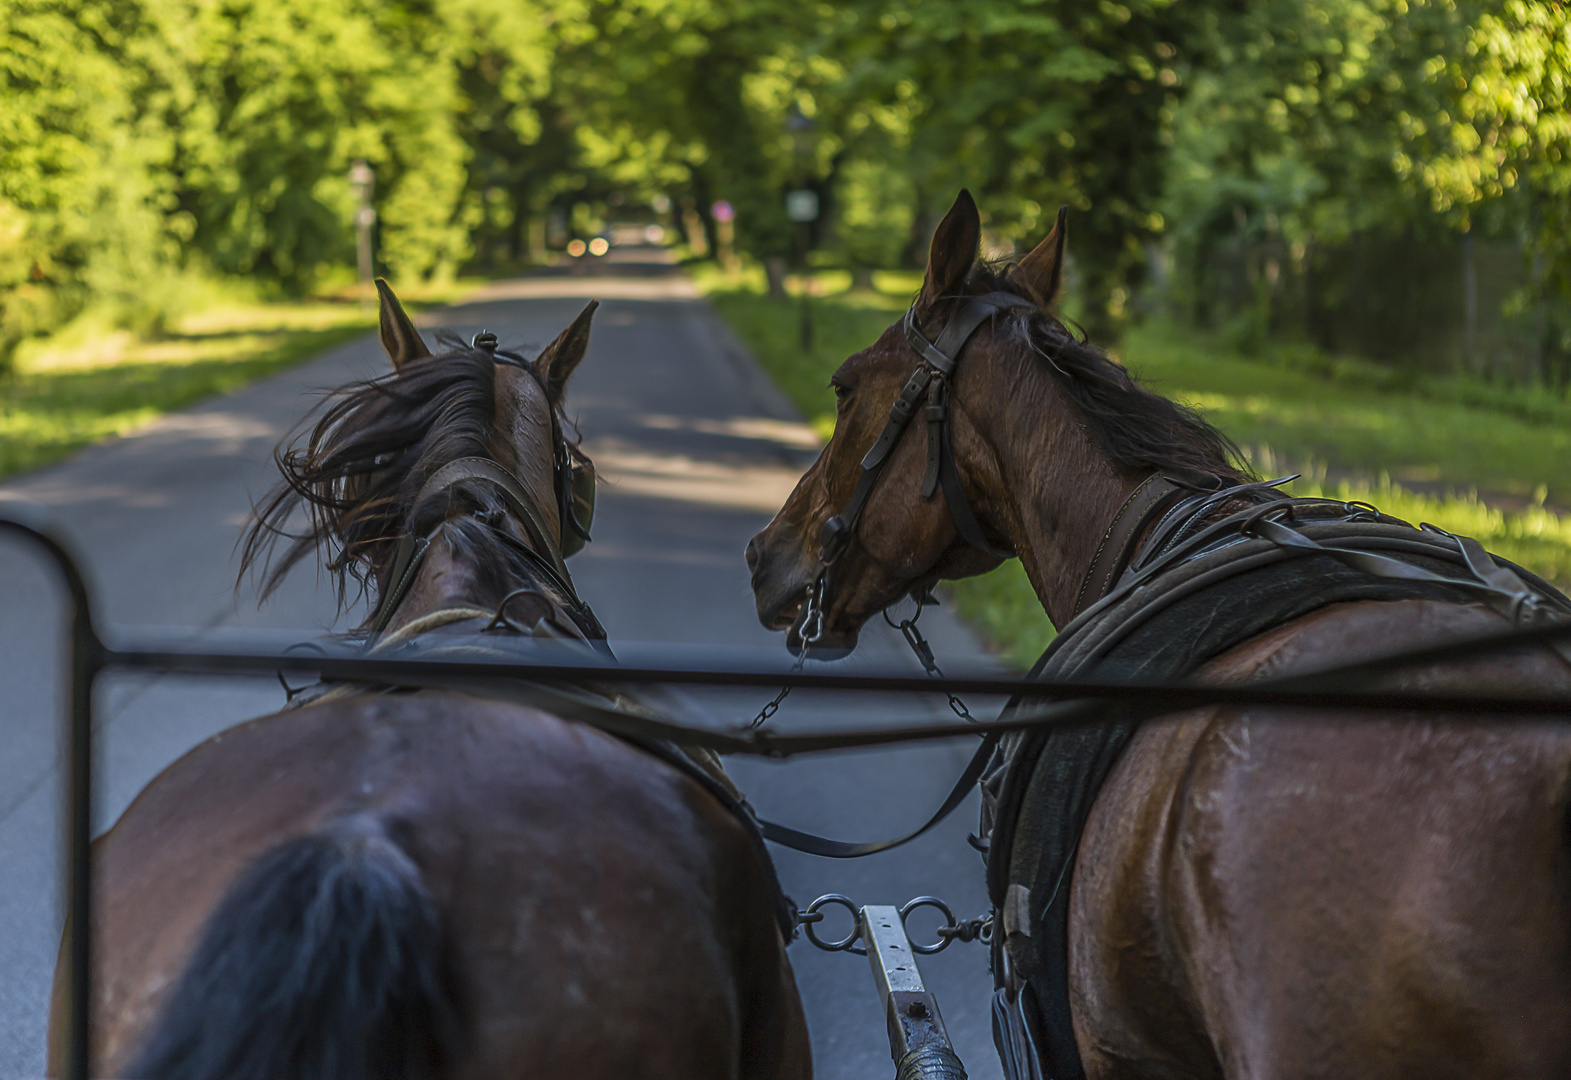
574	480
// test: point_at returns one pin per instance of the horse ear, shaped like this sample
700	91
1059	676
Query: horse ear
954	249
559	358
399	336
1041	273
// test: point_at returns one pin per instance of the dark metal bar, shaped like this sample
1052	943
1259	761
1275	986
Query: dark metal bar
86	661
1307	691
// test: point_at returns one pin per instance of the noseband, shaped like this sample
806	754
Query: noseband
935	369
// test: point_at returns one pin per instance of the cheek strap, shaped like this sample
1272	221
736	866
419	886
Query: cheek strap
930	379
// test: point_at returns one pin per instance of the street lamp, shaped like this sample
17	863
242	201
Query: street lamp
802	208
363	180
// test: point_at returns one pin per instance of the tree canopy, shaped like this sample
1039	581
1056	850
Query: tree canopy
144	138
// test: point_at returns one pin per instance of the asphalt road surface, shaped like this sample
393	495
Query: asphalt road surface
697	450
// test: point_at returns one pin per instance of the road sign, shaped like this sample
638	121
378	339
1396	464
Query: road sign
802	205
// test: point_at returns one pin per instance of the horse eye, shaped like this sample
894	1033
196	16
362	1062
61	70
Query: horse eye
841	392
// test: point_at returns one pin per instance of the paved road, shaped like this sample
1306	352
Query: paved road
697	450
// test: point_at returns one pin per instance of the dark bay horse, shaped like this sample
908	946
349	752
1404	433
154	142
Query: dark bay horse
1257	893
430	884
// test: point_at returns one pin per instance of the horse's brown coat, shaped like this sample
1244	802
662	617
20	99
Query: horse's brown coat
610	917
1256	894
605	915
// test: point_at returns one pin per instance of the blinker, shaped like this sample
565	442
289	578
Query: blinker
575	487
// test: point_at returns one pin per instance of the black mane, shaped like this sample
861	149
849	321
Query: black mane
358	473
1136	428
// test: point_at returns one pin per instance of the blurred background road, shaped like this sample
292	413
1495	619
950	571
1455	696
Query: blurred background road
696	449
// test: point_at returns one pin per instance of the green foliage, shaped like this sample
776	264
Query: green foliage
142	141
1417	430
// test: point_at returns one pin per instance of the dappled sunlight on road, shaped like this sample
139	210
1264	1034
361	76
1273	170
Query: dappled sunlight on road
756	487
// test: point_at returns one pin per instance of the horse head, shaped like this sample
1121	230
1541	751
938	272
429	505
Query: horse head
975	428
467	442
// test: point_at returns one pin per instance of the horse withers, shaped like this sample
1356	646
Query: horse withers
424	883
1244	891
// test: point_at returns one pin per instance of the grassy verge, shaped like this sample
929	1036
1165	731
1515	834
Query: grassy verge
1355	432
1425	433
89	383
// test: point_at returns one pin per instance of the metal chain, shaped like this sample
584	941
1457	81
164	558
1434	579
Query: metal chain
812	631
924	652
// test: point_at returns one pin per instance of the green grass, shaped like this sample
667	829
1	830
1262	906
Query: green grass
1356	431
89	383
1425	433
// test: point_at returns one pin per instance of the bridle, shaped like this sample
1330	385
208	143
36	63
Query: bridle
573	479
935	369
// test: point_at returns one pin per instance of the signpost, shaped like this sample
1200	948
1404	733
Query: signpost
363	180
802	208
725	232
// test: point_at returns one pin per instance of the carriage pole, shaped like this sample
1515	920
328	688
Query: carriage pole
917	1039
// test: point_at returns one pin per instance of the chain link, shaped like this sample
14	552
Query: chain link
977	929
812	631
924	651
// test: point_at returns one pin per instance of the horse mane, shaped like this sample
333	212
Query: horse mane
1135	427
356	476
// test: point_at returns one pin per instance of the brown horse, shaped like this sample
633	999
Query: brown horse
1257	892
428	884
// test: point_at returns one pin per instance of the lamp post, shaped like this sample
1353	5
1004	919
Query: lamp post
802	208
363	180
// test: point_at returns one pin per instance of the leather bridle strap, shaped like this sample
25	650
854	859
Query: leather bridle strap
930	379
1154	495
513	493
411	550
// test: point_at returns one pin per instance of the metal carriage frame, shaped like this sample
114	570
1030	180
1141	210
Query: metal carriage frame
918	1041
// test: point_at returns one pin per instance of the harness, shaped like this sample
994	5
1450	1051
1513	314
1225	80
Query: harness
935	368
1218	569
489	631
573	478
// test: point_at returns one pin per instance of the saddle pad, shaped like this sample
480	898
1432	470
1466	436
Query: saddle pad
1045	780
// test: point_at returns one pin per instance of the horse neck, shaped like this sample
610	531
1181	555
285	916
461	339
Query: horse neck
446	579
1055	490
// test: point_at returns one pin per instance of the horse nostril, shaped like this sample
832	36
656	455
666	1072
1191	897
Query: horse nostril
751	555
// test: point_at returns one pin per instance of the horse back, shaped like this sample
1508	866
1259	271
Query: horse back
602	913
1263	892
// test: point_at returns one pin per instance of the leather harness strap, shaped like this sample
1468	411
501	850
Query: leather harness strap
1154	495
543	548
931	378
512	492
